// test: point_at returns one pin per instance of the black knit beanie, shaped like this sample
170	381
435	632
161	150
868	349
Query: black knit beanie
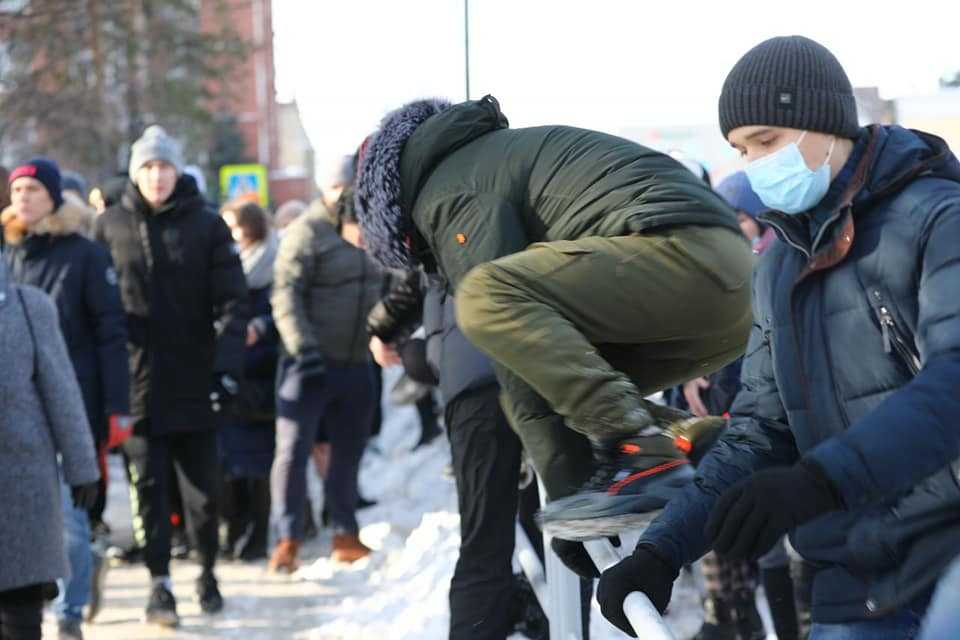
789	81
47	173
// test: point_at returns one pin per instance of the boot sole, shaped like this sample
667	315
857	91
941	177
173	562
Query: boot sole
601	527
585	516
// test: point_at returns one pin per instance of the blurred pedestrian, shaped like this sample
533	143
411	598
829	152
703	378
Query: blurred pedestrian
287	213
248	434
44	230
324	286
186	302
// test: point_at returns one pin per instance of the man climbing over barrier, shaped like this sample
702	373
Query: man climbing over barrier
592	270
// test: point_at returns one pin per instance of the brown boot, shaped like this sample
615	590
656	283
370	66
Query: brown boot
348	548
284	557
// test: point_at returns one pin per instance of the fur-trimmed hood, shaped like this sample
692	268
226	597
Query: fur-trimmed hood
396	161
386	227
73	216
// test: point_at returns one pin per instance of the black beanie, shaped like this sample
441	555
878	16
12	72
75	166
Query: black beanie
789	81
47	172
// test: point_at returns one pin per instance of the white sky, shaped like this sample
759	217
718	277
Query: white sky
600	64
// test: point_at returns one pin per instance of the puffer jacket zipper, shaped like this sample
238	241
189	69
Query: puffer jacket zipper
893	338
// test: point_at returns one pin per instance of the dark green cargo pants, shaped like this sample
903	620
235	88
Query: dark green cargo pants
582	330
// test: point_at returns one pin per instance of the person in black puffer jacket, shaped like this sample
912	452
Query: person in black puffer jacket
844	433
186	301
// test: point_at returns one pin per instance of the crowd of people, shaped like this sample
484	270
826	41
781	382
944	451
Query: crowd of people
546	281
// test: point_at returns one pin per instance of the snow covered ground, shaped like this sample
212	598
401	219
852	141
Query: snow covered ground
400	592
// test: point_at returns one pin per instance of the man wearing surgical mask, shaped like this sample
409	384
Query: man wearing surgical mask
845	434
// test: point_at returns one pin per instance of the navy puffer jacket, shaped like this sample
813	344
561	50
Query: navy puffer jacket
854	363
78	274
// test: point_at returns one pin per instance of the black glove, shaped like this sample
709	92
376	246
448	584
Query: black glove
309	364
645	571
85	495
392	317
575	557
757	511
223	392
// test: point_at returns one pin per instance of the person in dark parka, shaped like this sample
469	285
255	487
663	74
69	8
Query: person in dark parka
592	270
845	433
185	296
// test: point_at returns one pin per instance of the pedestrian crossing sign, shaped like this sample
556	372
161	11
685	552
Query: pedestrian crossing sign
244	182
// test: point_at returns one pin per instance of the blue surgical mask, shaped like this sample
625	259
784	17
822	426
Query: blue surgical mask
784	182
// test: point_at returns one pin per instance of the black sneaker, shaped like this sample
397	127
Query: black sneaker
209	594
631	484
133	554
162	607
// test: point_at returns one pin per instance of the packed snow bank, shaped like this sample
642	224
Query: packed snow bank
401	591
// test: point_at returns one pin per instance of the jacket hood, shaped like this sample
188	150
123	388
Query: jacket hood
185	192
396	161
73	216
386	226
905	154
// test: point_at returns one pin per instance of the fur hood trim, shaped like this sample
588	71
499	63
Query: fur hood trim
387	228
73	216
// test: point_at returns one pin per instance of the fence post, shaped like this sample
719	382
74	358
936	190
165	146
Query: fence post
563	592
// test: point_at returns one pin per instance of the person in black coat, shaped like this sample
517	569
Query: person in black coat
247	438
45	247
185	297
486	453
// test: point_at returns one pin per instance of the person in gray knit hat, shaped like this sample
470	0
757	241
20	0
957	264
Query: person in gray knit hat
184	293
844	434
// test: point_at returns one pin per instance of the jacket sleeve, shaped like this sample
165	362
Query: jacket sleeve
105	309
59	391
399	310
295	264
915	431
228	296
758	437
467	230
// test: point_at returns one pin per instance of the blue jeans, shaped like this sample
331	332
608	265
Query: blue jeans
943	616
74	590
902	625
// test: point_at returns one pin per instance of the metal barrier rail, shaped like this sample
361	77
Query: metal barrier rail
561	596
